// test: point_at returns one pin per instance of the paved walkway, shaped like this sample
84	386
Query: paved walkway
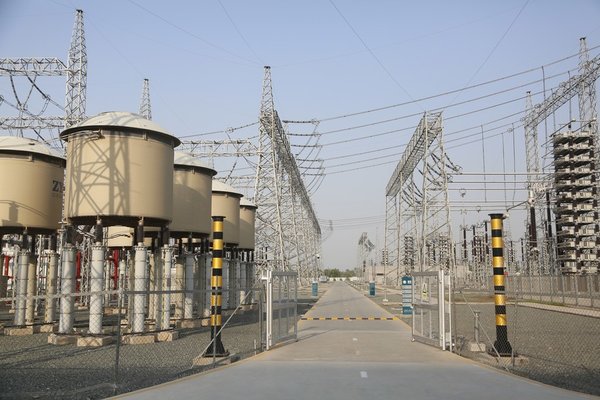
354	359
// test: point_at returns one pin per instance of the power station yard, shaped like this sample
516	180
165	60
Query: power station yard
355	360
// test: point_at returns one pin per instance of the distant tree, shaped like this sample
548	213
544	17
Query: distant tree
332	273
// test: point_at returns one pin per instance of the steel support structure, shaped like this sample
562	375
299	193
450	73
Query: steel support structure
417	206
75	70
583	86
145	107
282	199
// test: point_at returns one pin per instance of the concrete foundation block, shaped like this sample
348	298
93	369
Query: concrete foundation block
94	341
61	340
139	339
24	331
48	328
191	323
167	336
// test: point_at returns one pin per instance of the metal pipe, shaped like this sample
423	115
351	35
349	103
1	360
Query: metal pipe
243	265
153	278
96	286
167	258
180	283
67	288
188	305
139	299
51	285
31	289
21	292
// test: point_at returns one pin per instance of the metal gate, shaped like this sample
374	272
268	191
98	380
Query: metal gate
431	317
280	307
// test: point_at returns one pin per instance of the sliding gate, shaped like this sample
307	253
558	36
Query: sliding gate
432	323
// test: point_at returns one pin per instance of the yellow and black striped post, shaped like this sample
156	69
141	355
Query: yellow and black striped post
501	344
216	283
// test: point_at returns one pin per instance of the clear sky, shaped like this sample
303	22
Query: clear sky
329	59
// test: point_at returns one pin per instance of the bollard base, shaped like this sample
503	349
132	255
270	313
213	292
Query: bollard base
218	350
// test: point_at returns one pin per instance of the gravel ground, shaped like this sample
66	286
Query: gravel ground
559	349
30	368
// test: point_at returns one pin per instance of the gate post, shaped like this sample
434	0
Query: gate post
502	345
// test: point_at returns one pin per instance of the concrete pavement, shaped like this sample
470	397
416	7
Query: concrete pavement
354	360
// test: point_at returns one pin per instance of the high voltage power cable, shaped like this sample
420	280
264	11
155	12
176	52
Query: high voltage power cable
226	130
448	141
452	91
443	107
414	127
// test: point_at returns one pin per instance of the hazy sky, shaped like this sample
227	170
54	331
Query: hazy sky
329	59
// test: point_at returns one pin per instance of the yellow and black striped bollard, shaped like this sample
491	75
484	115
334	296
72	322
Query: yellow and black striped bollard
501	344
216	283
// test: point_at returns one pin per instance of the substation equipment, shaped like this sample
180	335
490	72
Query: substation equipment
121	226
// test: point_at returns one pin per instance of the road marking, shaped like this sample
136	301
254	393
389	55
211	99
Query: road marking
363	374
355	339
350	318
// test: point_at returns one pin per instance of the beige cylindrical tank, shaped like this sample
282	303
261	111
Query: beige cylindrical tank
192	188
119	167
226	203
247	222
32	186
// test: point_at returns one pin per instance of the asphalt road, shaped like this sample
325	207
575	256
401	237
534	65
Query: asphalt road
354	360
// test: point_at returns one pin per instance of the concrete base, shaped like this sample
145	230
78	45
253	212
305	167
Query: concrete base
167	336
202	361
94	341
48	328
139	339
476	347
487	358
114	311
192	323
61	340
25	331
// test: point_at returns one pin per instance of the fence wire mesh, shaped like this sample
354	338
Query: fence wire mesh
37	363
553	324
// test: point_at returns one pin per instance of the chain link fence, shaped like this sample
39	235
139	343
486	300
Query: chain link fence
37	361
553	324
553	327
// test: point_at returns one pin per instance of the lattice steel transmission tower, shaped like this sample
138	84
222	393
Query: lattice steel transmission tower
33	67
417	204
287	230
145	108
76	74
